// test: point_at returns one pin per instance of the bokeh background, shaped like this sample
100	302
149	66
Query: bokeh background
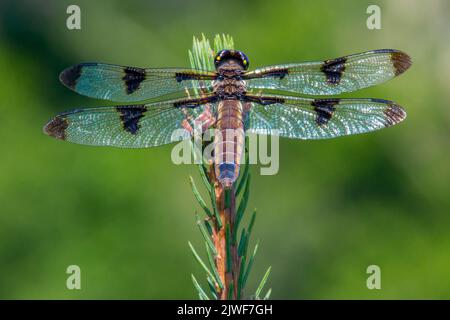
125	216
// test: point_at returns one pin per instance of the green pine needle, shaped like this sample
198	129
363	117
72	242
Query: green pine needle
242	182
216	211
228	247
202	55
200	261
267	296
203	174
228	198
201	292
224	42
241	277
205	235
262	283
199	198
243	204
252	222
242	235
249	266
214	268
230	291
208	227
211	286
242	243
245	173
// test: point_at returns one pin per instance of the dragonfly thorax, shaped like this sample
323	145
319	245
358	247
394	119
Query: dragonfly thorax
229	88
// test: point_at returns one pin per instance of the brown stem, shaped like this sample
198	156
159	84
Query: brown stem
228	218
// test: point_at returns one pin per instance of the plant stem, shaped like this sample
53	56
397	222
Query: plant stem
227	260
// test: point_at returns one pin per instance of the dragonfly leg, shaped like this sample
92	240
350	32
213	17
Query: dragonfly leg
206	118
204	121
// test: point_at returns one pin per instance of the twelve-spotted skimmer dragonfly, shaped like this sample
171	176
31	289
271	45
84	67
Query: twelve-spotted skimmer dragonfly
229	98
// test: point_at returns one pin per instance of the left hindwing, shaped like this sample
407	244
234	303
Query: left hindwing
301	118
131	126
333	76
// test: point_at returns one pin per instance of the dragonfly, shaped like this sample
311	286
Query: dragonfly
231	98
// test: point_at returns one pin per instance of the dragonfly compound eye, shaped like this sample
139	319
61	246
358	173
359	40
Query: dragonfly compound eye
224	55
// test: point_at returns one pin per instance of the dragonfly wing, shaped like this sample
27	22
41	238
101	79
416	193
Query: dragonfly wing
302	118
333	76
127	84
131	126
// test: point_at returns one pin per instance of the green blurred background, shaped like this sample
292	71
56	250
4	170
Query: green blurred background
125	216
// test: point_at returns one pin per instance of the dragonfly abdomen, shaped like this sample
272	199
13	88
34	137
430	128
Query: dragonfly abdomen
229	141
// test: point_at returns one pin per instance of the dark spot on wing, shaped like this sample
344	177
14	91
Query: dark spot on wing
57	127
333	69
133	78
195	102
188	103
181	76
263	100
70	76
401	62
394	114
130	116
324	109
275	73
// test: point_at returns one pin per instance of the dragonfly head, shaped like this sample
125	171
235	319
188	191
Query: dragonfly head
231	56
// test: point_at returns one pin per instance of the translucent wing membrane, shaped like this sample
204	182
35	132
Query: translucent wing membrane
153	124
127	84
131	126
302	118
334	76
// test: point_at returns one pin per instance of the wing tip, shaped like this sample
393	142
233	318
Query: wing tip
56	128
394	114
401	62
70	76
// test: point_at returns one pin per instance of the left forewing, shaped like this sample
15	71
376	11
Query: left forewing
131	84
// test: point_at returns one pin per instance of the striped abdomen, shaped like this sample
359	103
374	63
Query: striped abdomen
229	141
